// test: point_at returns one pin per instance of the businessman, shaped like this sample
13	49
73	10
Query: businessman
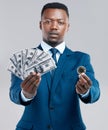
51	101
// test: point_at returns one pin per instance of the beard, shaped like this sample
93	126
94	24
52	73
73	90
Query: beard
52	43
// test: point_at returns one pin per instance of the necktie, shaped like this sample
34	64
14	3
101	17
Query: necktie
53	51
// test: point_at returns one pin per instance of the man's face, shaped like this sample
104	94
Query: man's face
54	25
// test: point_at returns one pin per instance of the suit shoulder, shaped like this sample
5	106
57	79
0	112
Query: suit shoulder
78	53
81	53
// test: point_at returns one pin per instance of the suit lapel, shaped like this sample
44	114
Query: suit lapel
48	78
47	75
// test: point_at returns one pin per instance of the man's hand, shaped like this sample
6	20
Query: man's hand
84	83
30	84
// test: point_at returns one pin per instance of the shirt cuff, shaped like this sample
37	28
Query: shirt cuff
86	94
24	98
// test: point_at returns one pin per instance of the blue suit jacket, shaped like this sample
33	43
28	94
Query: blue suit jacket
56	106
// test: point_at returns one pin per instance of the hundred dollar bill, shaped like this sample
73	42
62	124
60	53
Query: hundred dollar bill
42	68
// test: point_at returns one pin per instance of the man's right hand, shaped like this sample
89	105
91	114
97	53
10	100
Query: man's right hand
30	84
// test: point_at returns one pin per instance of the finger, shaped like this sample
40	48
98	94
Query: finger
26	80
34	88
29	78
87	85
34	81
82	81
28	83
85	79
80	89
84	84
31	83
84	76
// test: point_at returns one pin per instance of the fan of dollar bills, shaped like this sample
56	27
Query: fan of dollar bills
26	61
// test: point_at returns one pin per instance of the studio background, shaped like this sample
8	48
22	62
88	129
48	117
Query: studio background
19	29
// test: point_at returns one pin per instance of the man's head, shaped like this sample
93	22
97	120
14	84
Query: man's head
54	23
55	5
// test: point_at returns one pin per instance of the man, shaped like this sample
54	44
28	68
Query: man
52	103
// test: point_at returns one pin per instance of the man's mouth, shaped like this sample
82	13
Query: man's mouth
53	34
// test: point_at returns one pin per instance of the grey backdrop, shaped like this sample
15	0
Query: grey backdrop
19	29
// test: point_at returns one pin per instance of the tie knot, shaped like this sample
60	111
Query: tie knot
53	51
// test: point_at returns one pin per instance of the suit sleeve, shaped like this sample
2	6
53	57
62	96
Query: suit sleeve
15	91
94	92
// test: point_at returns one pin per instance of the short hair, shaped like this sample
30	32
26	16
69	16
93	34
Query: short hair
55	5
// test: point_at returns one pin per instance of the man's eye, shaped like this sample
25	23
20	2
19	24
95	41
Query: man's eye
61	22
47	21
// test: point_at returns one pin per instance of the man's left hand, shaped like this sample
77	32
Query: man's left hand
84	83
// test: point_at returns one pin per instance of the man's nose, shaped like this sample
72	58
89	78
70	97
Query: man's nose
54	25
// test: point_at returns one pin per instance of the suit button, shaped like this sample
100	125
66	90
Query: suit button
49	127
51	108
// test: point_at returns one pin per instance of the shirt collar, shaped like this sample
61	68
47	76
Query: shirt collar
47	47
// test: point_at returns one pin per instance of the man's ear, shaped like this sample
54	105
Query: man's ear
40	25
68	27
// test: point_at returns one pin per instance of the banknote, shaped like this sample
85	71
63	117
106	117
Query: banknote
26	61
